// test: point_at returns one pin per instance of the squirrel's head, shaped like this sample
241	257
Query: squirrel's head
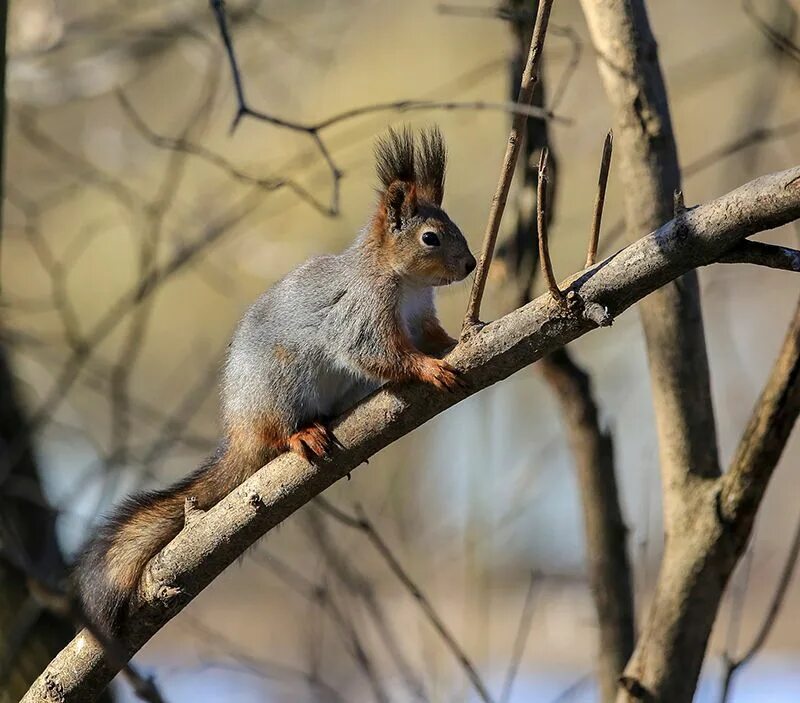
420	242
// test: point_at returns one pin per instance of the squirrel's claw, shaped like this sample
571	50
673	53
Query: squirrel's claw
313	443
443	376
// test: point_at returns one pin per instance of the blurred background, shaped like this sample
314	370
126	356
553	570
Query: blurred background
137	227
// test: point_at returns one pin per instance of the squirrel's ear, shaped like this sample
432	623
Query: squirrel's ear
401	203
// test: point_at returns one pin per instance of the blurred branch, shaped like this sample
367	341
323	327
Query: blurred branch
764	438
782	42
521	639
732	665
358	585
217	537
605	532
363	525
313	130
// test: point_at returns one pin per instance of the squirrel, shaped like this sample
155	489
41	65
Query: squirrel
315	343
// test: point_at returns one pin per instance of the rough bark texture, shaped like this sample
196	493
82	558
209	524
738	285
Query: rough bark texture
211	541
647	162
699	552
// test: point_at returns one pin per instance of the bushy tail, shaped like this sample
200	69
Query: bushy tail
108	571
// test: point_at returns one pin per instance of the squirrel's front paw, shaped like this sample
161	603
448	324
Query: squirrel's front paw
442	375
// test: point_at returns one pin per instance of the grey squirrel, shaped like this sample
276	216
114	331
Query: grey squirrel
312	345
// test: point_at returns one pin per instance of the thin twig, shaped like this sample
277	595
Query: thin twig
541	225
523	631
362	524
678	205
529	79
733	665
602	182
313	130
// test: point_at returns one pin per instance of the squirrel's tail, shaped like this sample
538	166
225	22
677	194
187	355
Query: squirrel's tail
108	571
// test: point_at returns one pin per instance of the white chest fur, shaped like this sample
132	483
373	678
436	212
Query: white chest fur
414	304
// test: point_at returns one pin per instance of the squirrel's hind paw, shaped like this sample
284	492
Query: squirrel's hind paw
313	443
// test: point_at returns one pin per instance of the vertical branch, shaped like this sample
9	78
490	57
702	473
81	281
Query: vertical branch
605	532
541	226
591	447
698	557
602	182
530	77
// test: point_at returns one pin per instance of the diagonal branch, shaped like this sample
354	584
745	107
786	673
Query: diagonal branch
765	437
215	539
770	255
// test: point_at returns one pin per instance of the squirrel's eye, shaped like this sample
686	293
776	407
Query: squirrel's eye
429	239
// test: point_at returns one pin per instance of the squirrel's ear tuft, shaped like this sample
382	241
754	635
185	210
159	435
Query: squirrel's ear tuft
431	165
400	201
401	157
394	157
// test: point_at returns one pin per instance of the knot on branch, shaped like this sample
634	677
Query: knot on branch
255	500
53	689
589	310
633	687
167	594
191	513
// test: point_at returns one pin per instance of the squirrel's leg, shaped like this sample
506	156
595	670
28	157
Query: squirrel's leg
434	338
402	361
263	438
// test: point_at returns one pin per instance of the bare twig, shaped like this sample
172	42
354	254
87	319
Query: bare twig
363	525
541	226
732	665
602	182
529	78
678	206
521	639
314	130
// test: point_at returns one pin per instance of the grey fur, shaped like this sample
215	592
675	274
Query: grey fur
312	345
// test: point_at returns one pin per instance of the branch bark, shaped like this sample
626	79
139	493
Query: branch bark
215	539
698	556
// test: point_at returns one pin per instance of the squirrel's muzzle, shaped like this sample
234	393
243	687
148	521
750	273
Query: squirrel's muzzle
469	265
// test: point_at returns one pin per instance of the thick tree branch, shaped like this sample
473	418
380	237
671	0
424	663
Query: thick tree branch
645	150
215	539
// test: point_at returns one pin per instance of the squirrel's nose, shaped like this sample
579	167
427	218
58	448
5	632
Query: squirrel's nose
469	266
